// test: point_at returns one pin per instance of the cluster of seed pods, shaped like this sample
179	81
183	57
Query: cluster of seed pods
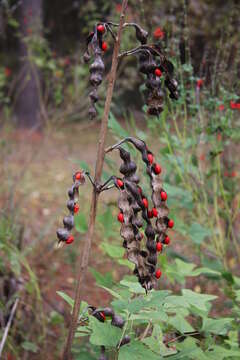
107	313
64	234
95	47
152	62
131	201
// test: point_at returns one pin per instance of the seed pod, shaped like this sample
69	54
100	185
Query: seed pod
68	221
95	44
117	321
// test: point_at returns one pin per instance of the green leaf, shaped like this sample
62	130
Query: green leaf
136	350
134	287
66	297
104	280
216	326
29	346
81	223
114	251
200	301
104	333
116	128
126	262
198	233
179	323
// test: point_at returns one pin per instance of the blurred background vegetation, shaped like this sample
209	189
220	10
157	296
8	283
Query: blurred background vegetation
46	135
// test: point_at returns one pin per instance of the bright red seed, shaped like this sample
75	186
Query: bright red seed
145	202
140	190
76	208
199	83
158	72
70	239
157	169
159	247
104	46
158	273
221	107
150	158
101	29
78	175
120	183
167	240
163	195
150	214
154	212
103	316
170	223
120	217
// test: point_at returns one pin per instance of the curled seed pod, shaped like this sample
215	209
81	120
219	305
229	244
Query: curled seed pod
96	45
126	340
159	201
63	234
130	202
117	321
141	34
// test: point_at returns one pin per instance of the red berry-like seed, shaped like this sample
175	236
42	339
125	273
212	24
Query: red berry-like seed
154	212
120	183
145	202
150	158
170	223
163	195
70	239
158	72
158	273
159	247
120	217
157	169
140	191
78	175
103	316
101	28
76	208
150	214
104	46
167	240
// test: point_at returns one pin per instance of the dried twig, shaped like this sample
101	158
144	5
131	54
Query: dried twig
5	334
83	264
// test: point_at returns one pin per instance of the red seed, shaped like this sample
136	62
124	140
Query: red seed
158	72
150	158
167	240
159	247
150	214
140	191
120	183
101	28
163	195
120	217
158	273
103	316
157	169
104	46
145	202
154	212
76	208
78	175
142	235
170	223
70	239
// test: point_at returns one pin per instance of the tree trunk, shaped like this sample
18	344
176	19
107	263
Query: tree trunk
27	107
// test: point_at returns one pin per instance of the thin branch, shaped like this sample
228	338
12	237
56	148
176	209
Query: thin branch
83	264
5	334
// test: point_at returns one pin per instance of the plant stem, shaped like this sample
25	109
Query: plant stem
83	264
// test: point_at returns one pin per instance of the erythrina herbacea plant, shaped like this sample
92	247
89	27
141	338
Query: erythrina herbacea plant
136	211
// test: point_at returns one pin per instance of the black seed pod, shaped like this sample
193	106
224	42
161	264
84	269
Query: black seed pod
117	321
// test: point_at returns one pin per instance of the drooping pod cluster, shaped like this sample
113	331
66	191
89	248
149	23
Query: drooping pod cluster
64	234
154	64
103	315
95	48
131	201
